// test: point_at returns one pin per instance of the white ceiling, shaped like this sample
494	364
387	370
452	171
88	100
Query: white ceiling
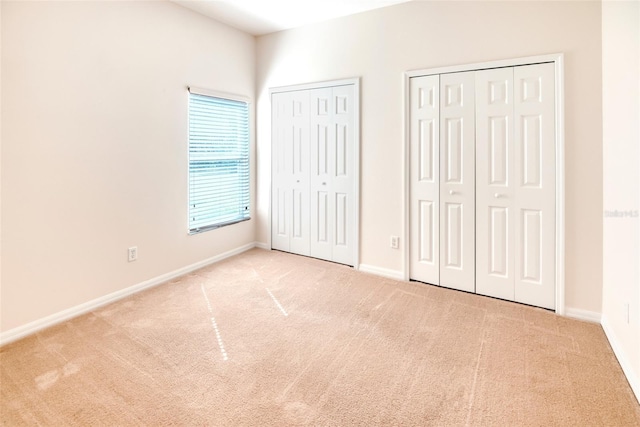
260	17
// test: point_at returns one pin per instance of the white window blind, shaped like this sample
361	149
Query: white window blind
218	162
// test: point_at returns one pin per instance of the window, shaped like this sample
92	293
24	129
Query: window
218	161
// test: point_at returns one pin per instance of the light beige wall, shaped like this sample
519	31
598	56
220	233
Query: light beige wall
94	150
381	45
621	175
0	157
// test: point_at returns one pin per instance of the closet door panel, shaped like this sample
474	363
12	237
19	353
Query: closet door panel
457	178
299	152
322	170
534	116
424	179
342	159
281	171
495	175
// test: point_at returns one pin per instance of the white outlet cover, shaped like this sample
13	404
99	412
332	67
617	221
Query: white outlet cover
133	253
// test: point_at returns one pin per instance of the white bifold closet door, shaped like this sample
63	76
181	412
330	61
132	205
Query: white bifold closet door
457	181
492	199
315	169
495	184
515	135
332	173
290	172
425	181
442	180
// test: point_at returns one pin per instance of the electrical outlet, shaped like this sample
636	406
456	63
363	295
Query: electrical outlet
133	253
395	242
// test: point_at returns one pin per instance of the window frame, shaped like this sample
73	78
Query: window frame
225	97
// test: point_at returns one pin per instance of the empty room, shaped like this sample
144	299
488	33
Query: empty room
319	212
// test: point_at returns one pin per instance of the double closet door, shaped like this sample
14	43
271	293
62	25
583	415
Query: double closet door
483	182
313	173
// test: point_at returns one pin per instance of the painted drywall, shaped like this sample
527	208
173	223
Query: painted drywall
379	46
94	149
0	158
621	182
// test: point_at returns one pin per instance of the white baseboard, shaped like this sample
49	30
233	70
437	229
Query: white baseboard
625	364
379	271
589	316
48	321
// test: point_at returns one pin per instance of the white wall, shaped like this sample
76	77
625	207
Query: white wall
621	186
381	45
94	149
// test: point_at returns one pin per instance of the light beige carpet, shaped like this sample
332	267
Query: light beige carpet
267	338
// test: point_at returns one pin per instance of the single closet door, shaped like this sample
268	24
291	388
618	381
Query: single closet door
424	179
457	181
495	184
290	172
535	158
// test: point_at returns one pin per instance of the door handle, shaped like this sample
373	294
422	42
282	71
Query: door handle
498	195
451	192
324	183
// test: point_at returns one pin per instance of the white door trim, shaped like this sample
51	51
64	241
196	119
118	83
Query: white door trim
355	81
558	60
